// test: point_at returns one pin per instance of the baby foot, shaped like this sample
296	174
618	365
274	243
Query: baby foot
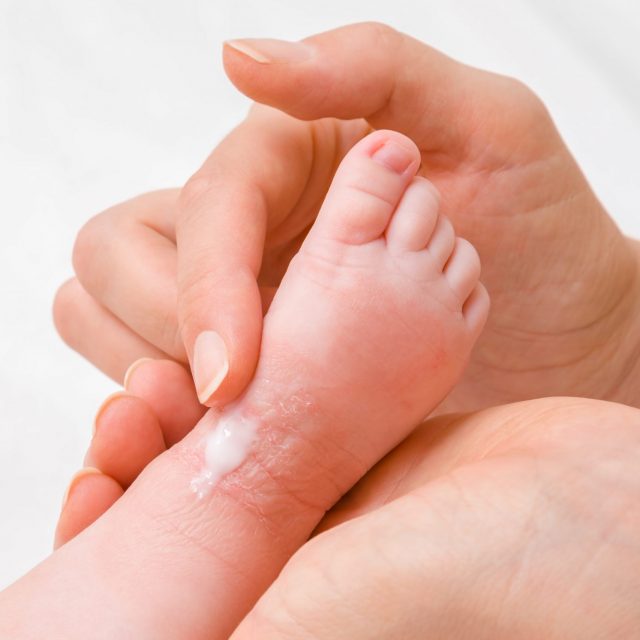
371	327
380	250
374	320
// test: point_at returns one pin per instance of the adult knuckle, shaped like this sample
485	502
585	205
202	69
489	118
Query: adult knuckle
286	613
198	189
531	106
569	422
524	90
379	31
171	335
65	309
92	241
84	247
197	287
201	284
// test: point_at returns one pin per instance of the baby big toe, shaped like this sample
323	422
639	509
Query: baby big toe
367	188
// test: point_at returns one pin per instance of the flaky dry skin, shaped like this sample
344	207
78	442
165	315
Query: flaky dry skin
371	327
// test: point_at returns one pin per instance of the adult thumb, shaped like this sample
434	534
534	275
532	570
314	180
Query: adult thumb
394	81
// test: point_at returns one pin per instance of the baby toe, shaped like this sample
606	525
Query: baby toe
414	220
476	309
367	187
462	270
442	241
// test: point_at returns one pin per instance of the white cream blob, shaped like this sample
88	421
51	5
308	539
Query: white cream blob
227	446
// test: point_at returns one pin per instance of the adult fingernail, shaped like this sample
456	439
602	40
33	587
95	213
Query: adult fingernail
394	156
267	50
132	368
210	363
107	401
86	471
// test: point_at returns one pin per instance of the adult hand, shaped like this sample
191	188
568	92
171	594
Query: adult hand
501	524
516	522
506	179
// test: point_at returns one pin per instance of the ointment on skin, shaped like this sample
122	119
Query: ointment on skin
226	447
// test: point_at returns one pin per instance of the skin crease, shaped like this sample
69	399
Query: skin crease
507	181
558	372
393	315
536	504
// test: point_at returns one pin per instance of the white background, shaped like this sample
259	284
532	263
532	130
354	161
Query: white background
101	100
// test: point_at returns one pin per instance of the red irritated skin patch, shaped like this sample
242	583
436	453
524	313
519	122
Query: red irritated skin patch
365	336
226	447
253	444
370	328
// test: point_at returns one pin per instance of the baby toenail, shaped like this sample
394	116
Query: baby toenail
394	156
